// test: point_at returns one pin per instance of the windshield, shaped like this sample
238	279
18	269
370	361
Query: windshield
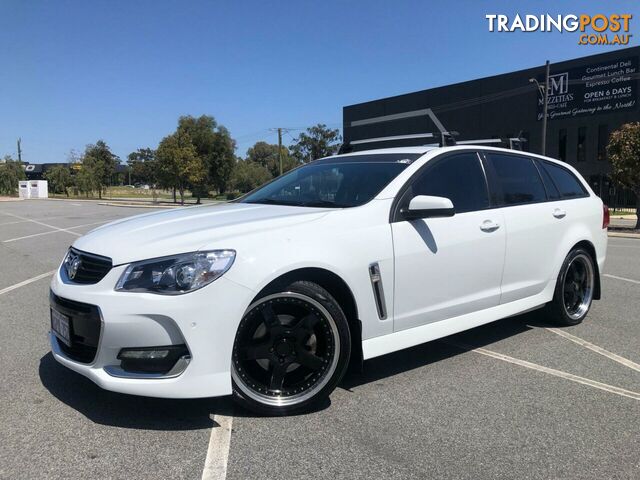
337	182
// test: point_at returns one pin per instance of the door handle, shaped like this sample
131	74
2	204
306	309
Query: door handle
489	226
559	213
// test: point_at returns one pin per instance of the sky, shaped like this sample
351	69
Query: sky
74	72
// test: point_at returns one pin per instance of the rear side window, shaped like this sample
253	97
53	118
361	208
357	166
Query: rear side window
457	177
517	178
552	191
566	182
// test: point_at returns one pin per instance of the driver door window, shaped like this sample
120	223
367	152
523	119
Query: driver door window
448	266
459	178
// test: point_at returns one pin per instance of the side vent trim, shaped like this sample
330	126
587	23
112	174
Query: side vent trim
378	290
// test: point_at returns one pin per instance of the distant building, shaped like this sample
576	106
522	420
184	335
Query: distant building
589	98
36	171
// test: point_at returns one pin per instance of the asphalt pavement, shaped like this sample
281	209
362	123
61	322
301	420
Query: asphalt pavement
513	399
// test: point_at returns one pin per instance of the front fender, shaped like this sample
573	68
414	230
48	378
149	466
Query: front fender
344	243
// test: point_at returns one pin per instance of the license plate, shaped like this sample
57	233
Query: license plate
60	327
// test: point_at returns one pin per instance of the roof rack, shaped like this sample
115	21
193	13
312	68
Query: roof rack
512	143
444	137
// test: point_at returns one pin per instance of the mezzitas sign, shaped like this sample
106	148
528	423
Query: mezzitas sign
592	89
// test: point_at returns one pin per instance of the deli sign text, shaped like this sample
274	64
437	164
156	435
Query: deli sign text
592	89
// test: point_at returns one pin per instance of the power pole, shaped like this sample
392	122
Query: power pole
19	150
280	148
546	105
544	93
280	131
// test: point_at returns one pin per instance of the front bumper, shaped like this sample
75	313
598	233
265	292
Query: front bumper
205	321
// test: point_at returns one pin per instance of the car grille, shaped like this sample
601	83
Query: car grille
85	325
92	268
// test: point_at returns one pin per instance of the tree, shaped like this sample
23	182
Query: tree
11	172
266	154
213	146
248	175
178	164
143	166
317	142
100	163
223	160
623	151
85	181
74	157
60	179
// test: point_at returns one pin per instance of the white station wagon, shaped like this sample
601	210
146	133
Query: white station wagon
271	297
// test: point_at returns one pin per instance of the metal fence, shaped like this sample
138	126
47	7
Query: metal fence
617	198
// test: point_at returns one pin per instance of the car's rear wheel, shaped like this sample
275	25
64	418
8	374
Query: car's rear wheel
290	351
574	289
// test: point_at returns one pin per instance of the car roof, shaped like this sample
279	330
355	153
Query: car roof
414	153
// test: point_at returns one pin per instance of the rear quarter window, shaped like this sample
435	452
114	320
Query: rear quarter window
550	187
517	178
565	181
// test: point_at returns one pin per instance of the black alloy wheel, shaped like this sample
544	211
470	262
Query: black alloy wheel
291	349
574	289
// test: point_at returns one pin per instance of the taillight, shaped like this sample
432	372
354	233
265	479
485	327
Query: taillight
606	218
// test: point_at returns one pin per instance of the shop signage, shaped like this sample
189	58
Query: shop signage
593	89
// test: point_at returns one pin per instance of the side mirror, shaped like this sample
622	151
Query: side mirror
425	206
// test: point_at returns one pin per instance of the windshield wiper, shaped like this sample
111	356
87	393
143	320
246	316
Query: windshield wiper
311	203
273	201
324	204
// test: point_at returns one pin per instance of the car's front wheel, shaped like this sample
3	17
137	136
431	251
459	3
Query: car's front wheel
574	289
291	350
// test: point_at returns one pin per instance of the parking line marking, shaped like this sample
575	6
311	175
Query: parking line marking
26	221
621	278
595	348
556	373
26	282
55	231
43	224
215	465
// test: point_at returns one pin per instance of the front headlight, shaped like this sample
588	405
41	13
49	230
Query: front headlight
177	274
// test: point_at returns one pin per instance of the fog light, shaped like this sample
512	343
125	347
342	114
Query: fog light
151	359
126	354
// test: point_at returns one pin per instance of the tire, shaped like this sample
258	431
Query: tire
575	286
291	350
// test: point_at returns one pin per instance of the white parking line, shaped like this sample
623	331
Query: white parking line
43	224
25	221
26	282
55	231
596	348
557	373
215	465
621	278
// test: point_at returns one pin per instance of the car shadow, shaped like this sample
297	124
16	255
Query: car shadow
135	412
425	354
127	411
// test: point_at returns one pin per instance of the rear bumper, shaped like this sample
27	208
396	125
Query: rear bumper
205	321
